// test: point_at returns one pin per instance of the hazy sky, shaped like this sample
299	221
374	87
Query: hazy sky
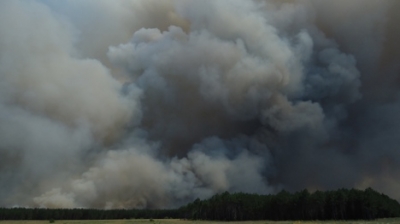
152	104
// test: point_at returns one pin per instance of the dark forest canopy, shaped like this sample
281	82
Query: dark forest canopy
341	204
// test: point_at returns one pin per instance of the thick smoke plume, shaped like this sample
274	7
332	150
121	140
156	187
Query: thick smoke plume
152	104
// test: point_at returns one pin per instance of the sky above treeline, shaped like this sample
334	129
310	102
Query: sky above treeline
152	104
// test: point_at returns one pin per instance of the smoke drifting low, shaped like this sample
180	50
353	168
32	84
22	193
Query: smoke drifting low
152	104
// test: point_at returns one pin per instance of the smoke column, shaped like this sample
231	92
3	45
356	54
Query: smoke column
152	104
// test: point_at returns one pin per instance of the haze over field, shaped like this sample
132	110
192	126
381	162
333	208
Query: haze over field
152	104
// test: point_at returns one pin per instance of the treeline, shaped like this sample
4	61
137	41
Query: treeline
330	205
84	214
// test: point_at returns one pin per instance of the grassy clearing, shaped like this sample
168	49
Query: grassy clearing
175	221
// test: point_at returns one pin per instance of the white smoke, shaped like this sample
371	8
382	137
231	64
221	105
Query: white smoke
151	104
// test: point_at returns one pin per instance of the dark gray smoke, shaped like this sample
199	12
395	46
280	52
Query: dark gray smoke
151	104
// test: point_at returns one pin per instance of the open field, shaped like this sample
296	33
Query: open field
175	221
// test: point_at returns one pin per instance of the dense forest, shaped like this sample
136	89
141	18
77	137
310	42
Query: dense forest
342	204
330	205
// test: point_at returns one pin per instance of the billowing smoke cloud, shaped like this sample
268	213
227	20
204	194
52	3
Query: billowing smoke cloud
151	104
